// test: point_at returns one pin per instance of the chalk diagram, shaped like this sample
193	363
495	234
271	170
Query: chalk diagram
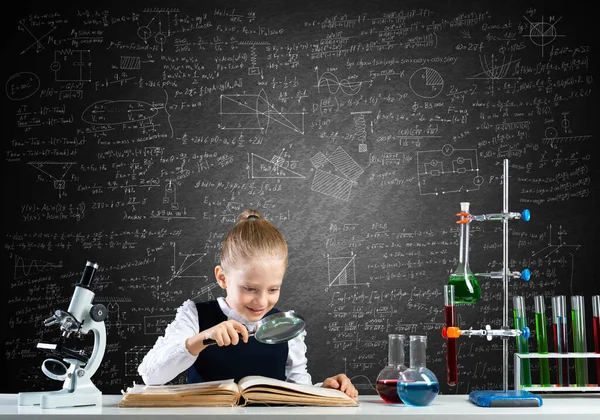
426	83
253	69
553	138
360	129
254	112
114	318
493	71
23	268
105	115
334	85
448	170
133	358
183	269
341	271
56	171
170	196
562	245
154	28
542	33
72	66
37	43
275	168
328	183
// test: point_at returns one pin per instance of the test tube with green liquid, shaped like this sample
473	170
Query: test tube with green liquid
559	326
522	343
579	341
542	338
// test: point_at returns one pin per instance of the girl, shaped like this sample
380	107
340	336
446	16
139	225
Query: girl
254	257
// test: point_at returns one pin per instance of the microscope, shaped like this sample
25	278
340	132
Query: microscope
81	318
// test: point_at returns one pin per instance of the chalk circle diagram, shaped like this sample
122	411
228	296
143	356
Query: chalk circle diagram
254	112
21	86
426	83
448	170
108	112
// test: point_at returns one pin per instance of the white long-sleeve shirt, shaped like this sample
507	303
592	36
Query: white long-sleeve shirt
169	357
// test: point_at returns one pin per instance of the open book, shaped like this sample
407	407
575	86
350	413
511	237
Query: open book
249	390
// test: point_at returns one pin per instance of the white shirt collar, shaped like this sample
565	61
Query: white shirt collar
231	314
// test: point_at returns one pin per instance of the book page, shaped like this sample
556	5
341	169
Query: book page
251	381
227	384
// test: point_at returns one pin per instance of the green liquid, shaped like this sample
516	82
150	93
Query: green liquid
523	348
462	293
579	347
542	343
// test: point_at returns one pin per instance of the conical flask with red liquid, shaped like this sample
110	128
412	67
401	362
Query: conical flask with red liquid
387	380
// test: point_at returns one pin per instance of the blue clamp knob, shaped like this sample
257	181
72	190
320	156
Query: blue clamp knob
526	274
525	332
526	215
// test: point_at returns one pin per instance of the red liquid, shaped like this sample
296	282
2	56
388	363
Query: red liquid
451	359
388	390
560	346
596	324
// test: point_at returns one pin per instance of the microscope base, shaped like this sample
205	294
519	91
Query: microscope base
89	395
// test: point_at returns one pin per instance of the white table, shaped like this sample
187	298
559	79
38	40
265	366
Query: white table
371	407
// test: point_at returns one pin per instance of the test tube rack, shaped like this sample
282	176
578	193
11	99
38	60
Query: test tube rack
554	387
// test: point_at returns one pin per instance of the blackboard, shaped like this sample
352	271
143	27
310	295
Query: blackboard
135	133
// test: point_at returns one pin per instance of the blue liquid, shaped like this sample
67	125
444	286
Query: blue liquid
418	393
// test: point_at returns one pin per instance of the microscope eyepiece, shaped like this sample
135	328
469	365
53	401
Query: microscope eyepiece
88	274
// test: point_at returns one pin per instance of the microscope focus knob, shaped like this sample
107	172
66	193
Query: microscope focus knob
98	312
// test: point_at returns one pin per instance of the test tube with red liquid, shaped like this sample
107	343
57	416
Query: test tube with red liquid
450	318
559	327
596	323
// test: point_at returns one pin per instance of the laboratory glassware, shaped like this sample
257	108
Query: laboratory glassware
561	342
450	319
542	338
387	380
466	287
579	340
596	325
520	319
417	385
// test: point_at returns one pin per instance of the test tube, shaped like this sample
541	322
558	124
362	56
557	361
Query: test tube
522	343
579	341
450	318
542	338
559	327
596	323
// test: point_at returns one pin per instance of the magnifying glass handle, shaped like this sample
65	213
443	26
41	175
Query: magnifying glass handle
210	341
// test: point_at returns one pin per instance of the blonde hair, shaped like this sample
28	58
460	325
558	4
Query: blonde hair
251	239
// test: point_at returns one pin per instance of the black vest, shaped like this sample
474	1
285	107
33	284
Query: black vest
252	358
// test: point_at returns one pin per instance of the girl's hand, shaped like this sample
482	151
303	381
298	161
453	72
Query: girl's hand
343	383
226	333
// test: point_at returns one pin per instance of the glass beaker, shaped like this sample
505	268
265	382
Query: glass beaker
466	287
417	385
387	380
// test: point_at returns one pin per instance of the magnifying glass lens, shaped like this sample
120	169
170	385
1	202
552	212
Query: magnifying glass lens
280	330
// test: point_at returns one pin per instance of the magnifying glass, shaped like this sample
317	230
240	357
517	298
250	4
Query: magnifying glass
275	328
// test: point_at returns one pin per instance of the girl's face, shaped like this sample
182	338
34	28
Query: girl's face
253	290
